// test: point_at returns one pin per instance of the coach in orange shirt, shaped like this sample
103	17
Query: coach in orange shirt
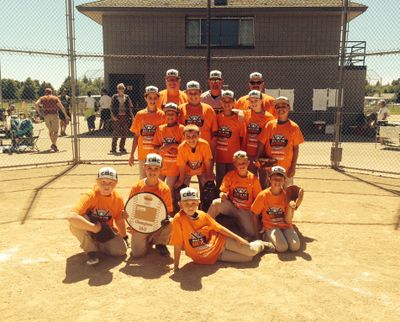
256	82
280	139
239	189
144	127
231	132
172	93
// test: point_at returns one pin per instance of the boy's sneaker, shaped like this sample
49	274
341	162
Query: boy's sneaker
163	250
269	247
92	259
257	245
54	147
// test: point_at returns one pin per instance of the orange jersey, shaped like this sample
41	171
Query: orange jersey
230	130
244	104
202	115
194	159
201	238
161	190
110	206
279	140
179	99
169	135
255	122
241	190
144	126
272	208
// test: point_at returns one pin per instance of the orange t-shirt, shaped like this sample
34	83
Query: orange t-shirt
230	130
244	104
279	140
194	158
144	126
169	135
241	190
272	208
96	203
161	190
201	238
179	99
255	122
203	116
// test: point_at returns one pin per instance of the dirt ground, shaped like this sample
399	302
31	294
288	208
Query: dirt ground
347	268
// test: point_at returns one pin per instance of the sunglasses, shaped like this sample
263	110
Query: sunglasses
256	82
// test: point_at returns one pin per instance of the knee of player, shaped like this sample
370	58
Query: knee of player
282	247
294	246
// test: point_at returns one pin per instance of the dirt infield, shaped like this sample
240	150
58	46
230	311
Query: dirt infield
347	269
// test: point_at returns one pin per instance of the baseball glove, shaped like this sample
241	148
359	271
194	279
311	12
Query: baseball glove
210	192
106	233
265	162
294	196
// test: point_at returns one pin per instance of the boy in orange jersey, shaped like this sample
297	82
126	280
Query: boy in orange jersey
172	93
231	131
239	189
281	138
200	114
152	183
255	119
256	82
166	141
144	127
105	203
272	205
203	239
194	158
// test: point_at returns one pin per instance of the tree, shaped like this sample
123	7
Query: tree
9	88
29	90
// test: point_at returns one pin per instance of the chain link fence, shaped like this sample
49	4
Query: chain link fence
334	73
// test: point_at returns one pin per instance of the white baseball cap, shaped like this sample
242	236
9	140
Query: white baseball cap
255	75
281	99
107	173
215	74
189	194
193	85
228	93
153	159
151	89
254	94
240	155
171	107
171	73
278	170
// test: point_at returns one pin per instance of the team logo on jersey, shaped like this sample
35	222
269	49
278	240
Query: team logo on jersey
241	193
224	132
275	212
148	130
194	165
278	140
195	119
167	141
253	128
197	239
101	215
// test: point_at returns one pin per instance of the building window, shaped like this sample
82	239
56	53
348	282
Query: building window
225	32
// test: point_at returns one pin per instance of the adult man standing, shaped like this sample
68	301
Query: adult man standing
172	93
51	104
212	97
66	102
256	82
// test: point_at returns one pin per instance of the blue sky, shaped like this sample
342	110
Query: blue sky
40	25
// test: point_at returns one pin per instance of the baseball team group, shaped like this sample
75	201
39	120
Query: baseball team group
245	148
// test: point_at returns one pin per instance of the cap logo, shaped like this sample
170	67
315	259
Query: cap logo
189	194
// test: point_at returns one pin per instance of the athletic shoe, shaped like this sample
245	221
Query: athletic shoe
162	249
92	259
113	151
54	147
269	247
122	150
257	245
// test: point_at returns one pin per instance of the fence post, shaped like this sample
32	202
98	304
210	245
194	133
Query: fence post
336	150
72	74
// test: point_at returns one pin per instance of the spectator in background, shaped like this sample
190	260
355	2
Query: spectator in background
172	93
122	116
105	113
90	112
66	102
256	82
383	112
212	97
51	104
